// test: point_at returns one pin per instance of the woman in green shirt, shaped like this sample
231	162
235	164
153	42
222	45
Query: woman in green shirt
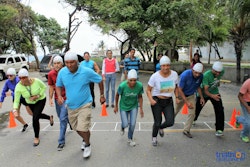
131	92
33	91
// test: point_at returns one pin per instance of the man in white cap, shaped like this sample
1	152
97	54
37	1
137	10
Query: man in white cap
131	93
10	84
210	84
61	110
189	84
75	79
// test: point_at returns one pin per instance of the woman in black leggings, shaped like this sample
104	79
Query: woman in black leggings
33	91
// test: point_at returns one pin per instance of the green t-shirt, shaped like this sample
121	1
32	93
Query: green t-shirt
211	81
129	97
36	88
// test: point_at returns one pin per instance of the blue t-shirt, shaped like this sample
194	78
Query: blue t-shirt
157	67
89	64
77	85
132	64
188	83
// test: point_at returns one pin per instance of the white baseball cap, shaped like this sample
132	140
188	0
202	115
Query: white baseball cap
165	60
23	73
57	59
217	66
132	74
70	56
11	71
198	67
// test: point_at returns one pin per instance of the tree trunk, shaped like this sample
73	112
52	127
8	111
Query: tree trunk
238	50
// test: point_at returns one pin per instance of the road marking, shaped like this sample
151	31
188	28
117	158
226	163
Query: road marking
140	126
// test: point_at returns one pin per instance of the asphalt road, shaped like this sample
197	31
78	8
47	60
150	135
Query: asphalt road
109	149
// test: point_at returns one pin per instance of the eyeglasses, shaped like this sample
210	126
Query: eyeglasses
23	77
9	75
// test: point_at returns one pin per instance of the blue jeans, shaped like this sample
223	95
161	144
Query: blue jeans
62	114
128	118
110	78
245	120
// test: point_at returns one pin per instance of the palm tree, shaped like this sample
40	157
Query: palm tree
240	31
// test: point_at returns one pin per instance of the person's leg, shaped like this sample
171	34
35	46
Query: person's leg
157	114
63	117
113	80
219	114
132	124
245	120
198	107
92	86
168	112
178	107
191	114
107	83
82	126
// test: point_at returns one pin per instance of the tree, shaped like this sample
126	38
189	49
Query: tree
239	11
50	34
213	24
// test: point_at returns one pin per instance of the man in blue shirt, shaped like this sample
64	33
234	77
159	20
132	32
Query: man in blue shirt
75	79
189	83
92	65
131	62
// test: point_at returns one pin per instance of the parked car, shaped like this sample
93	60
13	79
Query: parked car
16	61
44	68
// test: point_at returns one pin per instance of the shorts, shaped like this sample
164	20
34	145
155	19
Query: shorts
22	101
80	119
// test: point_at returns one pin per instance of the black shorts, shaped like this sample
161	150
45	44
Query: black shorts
22	101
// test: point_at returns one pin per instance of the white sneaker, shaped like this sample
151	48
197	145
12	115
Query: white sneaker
131	142
87	152
83	145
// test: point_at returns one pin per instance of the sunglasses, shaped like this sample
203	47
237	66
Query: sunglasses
23	77
9	75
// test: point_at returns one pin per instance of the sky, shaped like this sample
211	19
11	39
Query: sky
86	38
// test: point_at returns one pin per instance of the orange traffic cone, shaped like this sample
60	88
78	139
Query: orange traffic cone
12	122
184	109
104	111
240	127
233	118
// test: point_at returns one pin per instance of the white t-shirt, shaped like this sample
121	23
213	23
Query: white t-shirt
163	86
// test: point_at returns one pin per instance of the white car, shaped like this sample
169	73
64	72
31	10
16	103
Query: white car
16	61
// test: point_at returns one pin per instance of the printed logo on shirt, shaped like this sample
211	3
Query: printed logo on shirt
167	86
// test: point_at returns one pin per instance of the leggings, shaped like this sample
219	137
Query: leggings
37	109
166	107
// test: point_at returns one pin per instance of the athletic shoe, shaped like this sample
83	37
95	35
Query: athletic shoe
237	124
154	141
188	134
122	131
161	132
87	151
245	139
25	127
219	133
131	142
60	147
83	145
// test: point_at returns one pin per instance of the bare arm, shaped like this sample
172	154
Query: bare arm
149	94
51	93
102	98
242	101
96	67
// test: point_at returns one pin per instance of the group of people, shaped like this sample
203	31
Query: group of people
71	89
